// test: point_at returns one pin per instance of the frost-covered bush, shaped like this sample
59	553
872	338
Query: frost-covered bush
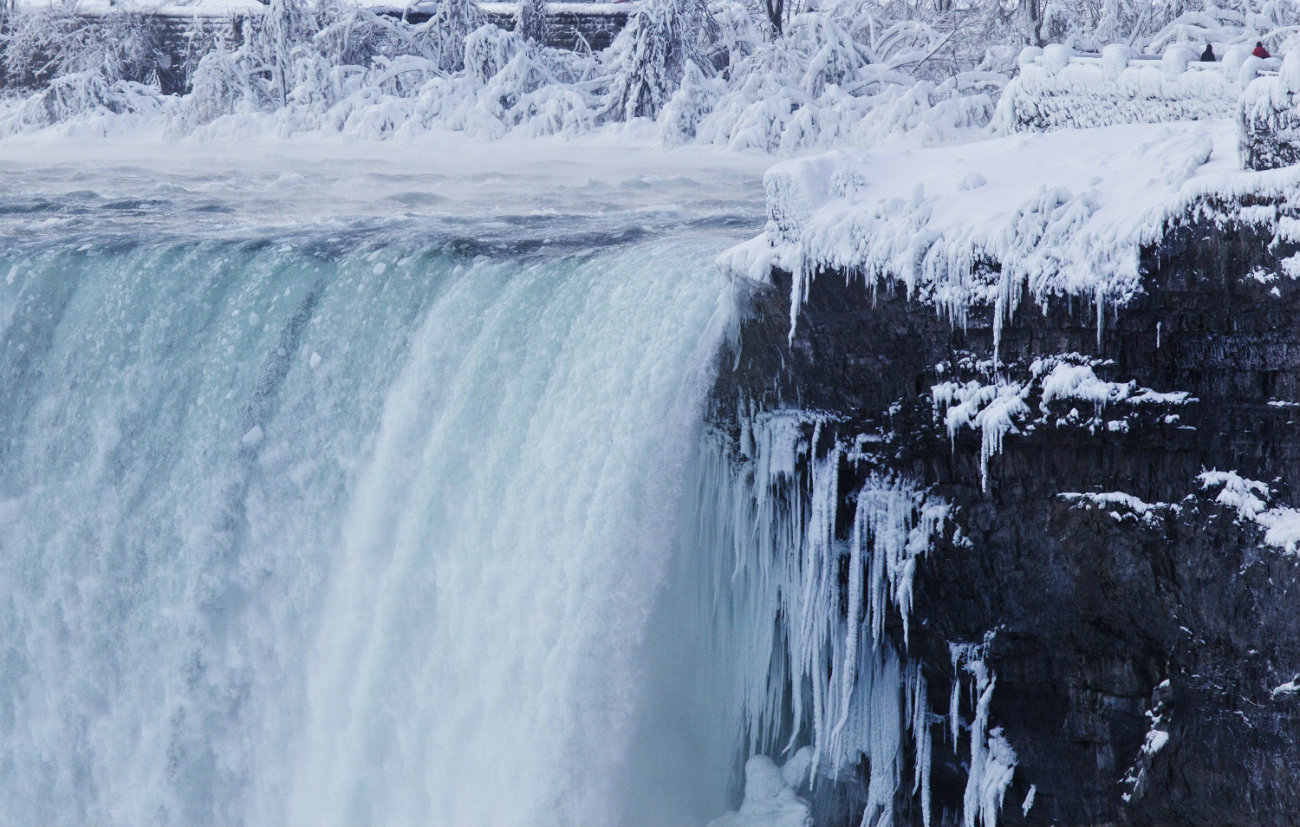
530	21
488	49
1270	119
351	35
222	85
37	45
444	34
78	96
694	99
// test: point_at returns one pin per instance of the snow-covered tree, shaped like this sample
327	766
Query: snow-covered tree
649	57
530	21
445	32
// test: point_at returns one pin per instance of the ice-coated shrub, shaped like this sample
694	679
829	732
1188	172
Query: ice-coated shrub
443	36
352	35
488	49
39	44
77	96
834	58
222	86
692	101
530	20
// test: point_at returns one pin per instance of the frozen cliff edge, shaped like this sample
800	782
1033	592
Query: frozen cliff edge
1052	216
1083	346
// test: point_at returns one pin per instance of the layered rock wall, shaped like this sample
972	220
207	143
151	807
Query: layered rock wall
1142	632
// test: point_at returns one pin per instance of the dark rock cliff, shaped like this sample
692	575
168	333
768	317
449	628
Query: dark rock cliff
1113	625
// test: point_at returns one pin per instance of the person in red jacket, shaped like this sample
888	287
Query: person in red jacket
1260	51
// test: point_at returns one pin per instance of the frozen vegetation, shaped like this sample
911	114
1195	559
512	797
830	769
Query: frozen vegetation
768	77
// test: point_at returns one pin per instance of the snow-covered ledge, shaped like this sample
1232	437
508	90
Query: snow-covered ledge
1056	215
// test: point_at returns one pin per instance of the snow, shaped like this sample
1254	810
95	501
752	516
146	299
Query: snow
1246	496
1289	688
1121	505
770	799
1071	381
1249	498
1061	214
1057	91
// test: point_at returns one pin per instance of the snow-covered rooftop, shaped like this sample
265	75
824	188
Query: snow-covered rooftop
1065	212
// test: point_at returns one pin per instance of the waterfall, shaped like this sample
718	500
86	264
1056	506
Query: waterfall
343	529
375	522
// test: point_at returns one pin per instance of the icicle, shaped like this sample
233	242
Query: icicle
920	712
842	689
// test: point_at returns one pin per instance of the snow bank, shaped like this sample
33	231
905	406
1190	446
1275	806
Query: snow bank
1062	214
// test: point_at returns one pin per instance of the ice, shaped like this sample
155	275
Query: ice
992	758
1115	88
1058	214
769	801
1289	688
810	654
992	409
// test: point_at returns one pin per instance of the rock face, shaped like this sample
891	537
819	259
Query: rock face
1137	641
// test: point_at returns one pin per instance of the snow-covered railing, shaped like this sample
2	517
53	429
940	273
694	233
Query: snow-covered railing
1060	90
1270	119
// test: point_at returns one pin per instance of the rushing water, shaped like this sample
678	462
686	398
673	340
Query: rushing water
348	493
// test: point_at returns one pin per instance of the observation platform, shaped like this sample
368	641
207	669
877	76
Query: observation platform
1058	89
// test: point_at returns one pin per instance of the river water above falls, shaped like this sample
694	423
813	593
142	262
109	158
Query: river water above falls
338	490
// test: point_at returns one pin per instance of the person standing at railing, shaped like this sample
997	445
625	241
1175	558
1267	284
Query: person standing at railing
1207	56
1260	51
